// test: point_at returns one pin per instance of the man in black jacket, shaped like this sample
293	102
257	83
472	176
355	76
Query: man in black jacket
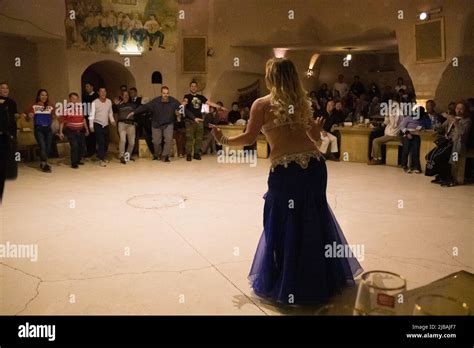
143	122
8	164
164	110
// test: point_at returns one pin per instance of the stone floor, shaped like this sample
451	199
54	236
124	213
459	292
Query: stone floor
179	238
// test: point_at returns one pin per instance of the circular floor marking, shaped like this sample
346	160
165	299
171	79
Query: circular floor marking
156	201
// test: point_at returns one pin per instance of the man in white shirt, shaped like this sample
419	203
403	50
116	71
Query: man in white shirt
100	116
391	132
340	87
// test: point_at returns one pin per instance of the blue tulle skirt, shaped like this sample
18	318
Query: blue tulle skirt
290	266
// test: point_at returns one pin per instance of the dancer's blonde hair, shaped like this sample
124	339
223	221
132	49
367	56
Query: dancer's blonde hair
287	96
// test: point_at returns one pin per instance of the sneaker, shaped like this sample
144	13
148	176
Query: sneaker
417	171
436	180
122	160
189	158
197	157
75	166
406	170
81	163
155	158
373	162
102	164
167	159
180	156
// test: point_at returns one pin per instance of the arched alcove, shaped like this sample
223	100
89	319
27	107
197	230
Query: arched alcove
108	74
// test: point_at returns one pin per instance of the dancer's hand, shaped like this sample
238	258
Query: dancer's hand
197	119
315	128
61	136
216	131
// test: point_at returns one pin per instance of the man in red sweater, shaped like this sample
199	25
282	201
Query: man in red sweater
73	124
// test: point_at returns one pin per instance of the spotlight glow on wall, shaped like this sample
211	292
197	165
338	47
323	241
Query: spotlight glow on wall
279	52
129	50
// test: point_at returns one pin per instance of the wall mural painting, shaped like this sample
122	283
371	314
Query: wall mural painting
121	25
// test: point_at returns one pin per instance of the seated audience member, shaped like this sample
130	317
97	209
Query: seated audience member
324	94
245	113
387	94
411	142
455	132
436	119
400	85
374	91
361	107
326	137
339	113
357	88
374	107
222	115
410	94
340	87
451	110
470	142
234	114
74	125
317	109
391	132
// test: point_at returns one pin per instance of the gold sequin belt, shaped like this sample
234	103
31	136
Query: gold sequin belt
301	158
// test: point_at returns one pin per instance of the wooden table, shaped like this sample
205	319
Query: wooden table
354	143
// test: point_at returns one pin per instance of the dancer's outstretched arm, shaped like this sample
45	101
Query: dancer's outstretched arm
254	126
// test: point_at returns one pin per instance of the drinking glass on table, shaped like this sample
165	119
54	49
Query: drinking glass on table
433	304
380	293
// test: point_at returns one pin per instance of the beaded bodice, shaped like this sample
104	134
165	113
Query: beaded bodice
289	143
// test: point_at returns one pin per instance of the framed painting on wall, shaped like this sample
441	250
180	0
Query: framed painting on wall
194	58
430	41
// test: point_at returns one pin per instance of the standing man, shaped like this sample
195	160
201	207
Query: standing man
340	87
126	126
100	116
87	98
74	125
164	111
194	120
8	165
142	123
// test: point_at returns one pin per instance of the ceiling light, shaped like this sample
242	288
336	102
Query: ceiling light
423	16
